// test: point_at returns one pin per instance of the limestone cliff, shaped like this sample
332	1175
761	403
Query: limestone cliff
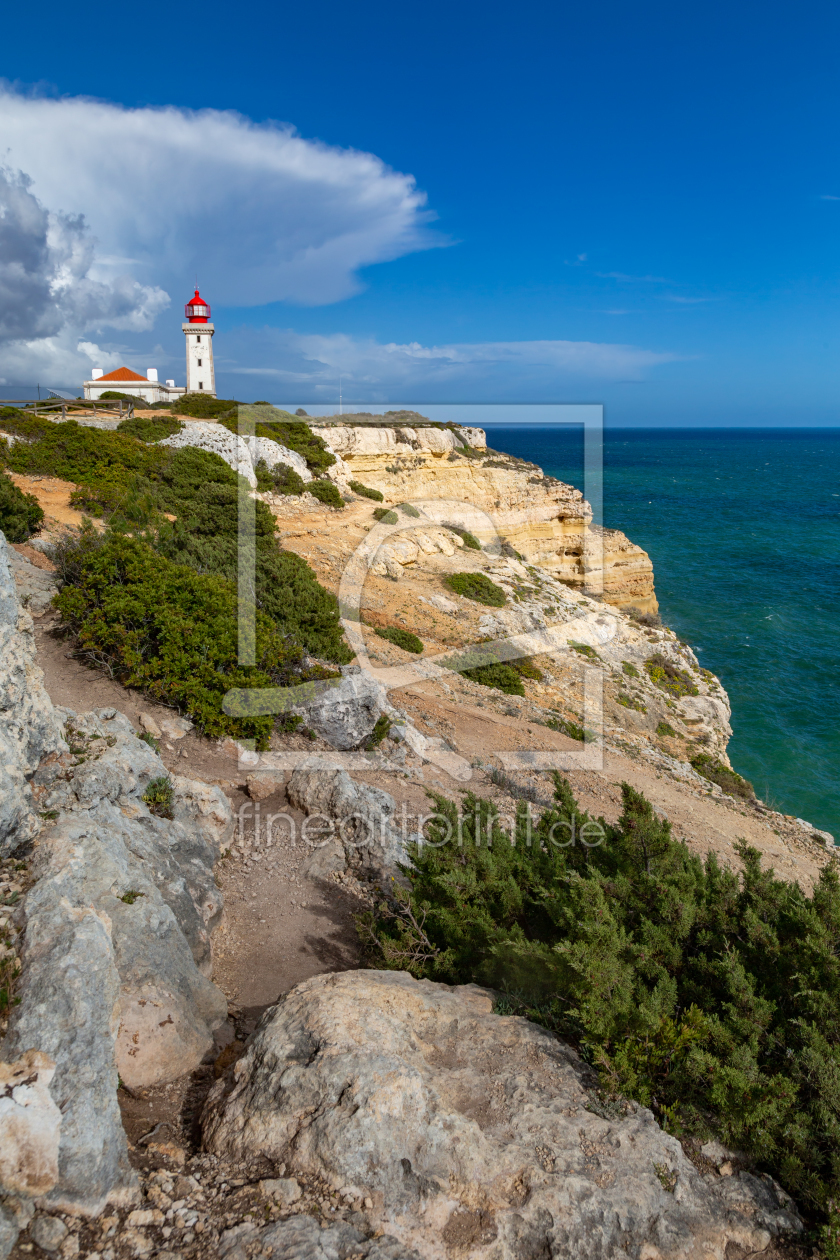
545	520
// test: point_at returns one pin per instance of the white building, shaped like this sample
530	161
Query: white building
144	388
201	378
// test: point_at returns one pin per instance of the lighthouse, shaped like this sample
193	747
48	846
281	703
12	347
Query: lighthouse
198	330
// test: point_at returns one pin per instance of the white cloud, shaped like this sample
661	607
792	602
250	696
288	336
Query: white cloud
309	364
259	213
47	294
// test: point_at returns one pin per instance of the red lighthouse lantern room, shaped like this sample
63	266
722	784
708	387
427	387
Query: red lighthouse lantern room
197	311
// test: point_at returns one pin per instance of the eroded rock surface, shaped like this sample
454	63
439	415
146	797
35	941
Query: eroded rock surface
363	832
240	453
472	1134
345	712
117	930
29	727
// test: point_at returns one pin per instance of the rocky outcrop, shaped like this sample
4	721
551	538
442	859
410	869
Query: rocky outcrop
361	831
345	711
472	1134
241	453
495	496
29	728
117	930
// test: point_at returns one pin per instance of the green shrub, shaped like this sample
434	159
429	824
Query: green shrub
114	395
716	772
366	491
379	732
402	638
205	537
668	678
476	586
149	739
630	669
408	509
712	996
627	702
664	729
386	516
583	649
167	630
526	668
159	796
326	492
281	479
132	894
500	676
567	727
470	540
20	514
77	453
150	428
204	407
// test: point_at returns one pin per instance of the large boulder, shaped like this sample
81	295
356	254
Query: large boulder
29	726
472	1133
345	712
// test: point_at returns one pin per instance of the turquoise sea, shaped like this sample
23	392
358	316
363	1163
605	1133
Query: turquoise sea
743	527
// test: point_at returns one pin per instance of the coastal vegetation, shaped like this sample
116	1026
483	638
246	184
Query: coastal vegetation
366	492
20	513
386	515
710	996
476	586
154	599
402	638
725	777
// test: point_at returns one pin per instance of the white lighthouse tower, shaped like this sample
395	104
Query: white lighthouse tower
201	378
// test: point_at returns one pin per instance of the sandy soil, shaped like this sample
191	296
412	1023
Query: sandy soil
53	494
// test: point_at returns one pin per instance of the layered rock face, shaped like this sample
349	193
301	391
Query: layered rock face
492	495
472	1134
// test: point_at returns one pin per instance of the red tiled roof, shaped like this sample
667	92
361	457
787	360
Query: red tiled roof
122	374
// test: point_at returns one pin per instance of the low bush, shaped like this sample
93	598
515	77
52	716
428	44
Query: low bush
500	676
628	702
526	668
402	638
20	513
584	649
630	669
281	479
408	509
476	586
567	727
665	729
653	620
379	732
710	995
469	539
326	492
167	630
716	772
204	407
150	428
159	796
366	492
385	515
668	677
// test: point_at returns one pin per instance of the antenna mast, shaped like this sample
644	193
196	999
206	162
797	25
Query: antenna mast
339	395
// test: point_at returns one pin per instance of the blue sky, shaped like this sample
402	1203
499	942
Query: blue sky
629	204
